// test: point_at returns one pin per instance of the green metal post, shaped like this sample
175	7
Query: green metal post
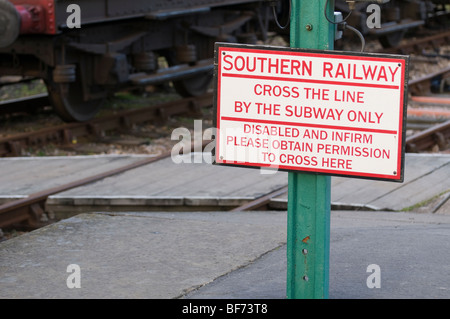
308	229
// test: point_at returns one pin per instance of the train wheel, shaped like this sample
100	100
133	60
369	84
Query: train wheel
9	23
67	101
391	40
195	86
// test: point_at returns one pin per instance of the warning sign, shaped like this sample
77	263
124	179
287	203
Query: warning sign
330	112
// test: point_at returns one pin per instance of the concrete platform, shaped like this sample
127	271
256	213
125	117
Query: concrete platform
410	249
223	255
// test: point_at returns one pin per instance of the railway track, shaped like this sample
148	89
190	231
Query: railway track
434	131
421	45
63	134
422	85
425	50
435	135
28	211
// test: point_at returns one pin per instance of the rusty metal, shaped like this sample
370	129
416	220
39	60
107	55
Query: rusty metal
433	42
186	53
64	73
427	112
181	71
431	99
27	212
145	61
33	18
438	134
62	134
440	203
261	202
422	85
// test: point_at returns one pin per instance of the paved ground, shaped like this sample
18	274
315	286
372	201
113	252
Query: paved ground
223	255
410	249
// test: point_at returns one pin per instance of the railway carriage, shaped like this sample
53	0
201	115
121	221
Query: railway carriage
86	50
118	43
397	17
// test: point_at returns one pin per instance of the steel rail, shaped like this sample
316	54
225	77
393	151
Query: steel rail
422	85
437	134
417	46
261	201
431	100
12	146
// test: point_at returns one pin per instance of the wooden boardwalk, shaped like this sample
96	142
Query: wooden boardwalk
164	185
426	176
22	176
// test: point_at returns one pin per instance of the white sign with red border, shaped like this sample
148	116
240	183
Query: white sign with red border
330	112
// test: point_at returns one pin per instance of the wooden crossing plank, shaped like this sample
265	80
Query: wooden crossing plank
237	182
421	171
365	191
24	176
139	181
199	183
417	191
